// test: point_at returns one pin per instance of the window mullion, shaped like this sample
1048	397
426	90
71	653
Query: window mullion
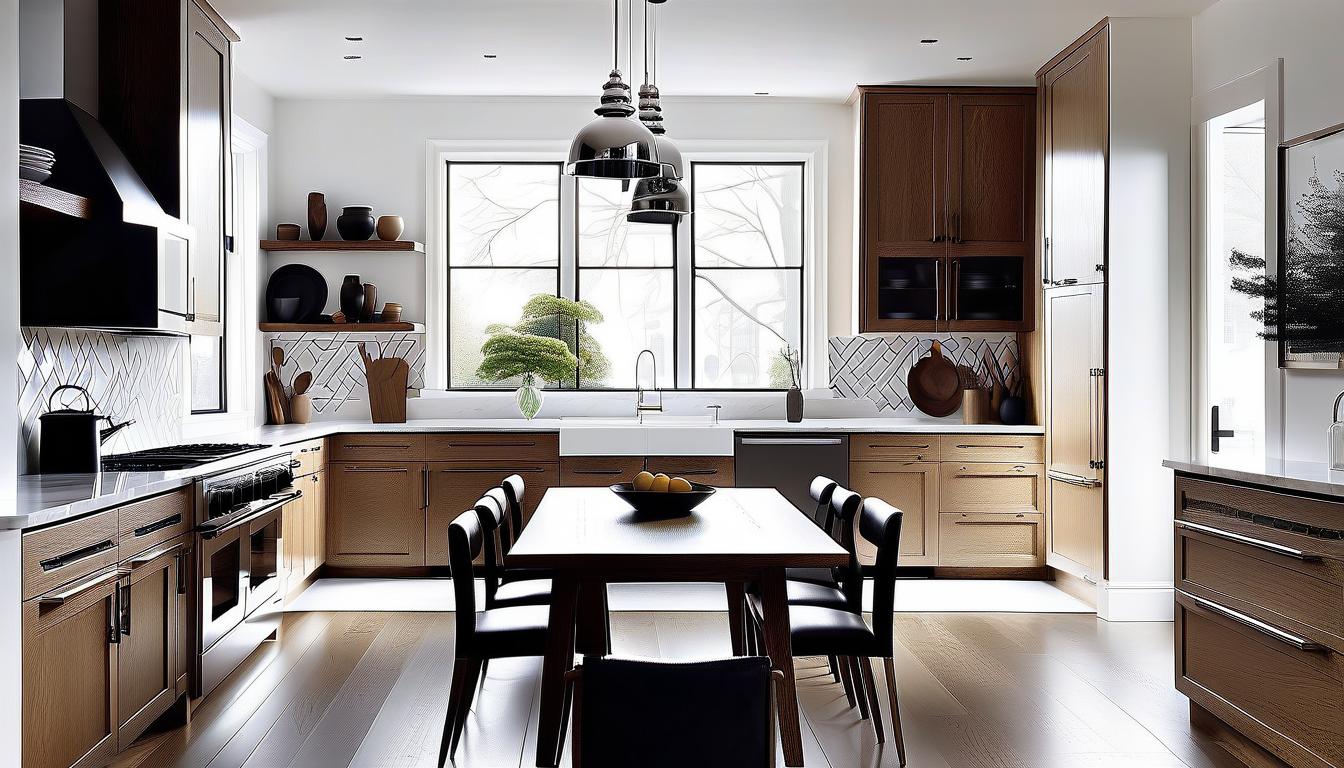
569	241
684	263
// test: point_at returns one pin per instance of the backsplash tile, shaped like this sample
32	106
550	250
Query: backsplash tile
875	367
339	389
129	377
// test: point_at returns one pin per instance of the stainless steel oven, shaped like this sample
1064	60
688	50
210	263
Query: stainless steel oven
238	557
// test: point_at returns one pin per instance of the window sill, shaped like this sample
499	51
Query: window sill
199	426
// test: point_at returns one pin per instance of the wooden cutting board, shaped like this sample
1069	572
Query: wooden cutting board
387	378
935	384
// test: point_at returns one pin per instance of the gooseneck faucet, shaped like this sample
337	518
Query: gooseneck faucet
642	407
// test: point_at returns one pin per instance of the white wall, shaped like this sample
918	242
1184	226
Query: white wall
1235	37
374	153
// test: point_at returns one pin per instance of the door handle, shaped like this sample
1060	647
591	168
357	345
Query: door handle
1215	434
1065	477
61	597
125	621
1288	638
1268	546
1045	263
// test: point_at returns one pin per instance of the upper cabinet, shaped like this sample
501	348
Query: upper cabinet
1074	90
948	208
166	84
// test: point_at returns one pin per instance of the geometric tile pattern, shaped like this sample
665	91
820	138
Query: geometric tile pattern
128	377
876	367
338	371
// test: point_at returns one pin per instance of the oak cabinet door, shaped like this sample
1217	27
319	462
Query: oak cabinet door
70	684
904	173
312	515
1076	535
319	519
147	657
377	514
911	487
598	471
454	488
991	174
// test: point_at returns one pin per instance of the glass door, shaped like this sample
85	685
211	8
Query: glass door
1231	353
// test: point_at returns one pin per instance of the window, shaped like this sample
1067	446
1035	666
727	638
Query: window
717	298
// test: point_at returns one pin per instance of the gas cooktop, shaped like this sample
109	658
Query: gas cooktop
175	457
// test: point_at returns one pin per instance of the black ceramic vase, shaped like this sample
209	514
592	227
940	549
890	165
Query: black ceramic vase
352	297
356	222
1013	410
793	405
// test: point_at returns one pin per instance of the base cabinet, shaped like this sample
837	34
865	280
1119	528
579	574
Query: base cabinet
1076	535
149	627
377	514
912	487
454	488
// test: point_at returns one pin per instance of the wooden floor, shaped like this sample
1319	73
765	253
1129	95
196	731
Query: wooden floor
1000	690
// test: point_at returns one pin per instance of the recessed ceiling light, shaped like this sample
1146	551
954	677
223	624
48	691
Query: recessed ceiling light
354	38
490	55
352	58
928	41
963	58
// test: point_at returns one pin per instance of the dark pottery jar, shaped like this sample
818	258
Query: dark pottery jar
317	215
1013	410
352	297
793	405
370	304
356	222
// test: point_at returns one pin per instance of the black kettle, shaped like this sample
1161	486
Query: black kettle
71	440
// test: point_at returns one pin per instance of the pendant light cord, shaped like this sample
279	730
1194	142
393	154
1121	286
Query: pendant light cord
615	34
646	42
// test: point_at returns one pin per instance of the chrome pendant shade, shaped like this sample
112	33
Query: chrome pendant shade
664	199
659	201
614	145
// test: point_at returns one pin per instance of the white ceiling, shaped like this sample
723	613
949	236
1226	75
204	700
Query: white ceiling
800	48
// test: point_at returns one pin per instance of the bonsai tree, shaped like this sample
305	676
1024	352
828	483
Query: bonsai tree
553	319
509	355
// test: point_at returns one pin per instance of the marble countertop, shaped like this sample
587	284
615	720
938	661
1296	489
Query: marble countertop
46	499
1303	476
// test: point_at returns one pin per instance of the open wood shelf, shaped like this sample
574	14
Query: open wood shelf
341	327
47	198
342	245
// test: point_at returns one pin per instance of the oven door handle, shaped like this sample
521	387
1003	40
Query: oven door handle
214	528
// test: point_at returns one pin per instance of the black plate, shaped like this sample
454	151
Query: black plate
304	282
650	504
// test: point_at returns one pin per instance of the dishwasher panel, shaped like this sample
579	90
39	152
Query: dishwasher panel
787	462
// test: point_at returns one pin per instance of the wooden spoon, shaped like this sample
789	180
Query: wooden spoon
302	382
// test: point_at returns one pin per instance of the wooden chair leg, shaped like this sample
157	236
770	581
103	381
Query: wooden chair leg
860	688
895	710
464	708
847	682
834	667
455	695
485	670
866	667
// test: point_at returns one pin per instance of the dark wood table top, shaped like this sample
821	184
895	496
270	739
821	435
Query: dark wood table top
737	528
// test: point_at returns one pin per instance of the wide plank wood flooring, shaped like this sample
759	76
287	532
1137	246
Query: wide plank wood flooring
991	690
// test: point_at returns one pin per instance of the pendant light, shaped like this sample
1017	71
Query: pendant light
660	199
614	145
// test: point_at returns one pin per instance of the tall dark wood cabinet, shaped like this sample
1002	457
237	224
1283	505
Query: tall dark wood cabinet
948	209
166	80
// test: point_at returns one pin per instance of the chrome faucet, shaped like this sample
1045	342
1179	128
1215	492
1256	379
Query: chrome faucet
642	407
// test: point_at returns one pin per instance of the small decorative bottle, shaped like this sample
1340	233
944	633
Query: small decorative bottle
1334	437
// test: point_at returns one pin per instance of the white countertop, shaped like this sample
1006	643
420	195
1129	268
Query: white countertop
1303	476
46	499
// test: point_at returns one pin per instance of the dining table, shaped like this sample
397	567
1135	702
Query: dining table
587	538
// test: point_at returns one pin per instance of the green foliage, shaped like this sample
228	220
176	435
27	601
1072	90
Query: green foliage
509	354
553	319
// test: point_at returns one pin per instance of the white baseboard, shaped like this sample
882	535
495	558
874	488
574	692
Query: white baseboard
1135	601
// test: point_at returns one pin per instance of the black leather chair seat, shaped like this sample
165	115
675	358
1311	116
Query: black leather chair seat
526	574
807	593
814	575
531	592
517	631
826	631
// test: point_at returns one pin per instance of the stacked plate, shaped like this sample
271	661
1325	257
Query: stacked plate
35	163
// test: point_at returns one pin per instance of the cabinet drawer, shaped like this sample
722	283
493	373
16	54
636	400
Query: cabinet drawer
1297	522
521	446
893	448
992	487
1288	699
598	471
312	456
710	470
145	523
1018	449
53	556
378	447
991	539
1302	595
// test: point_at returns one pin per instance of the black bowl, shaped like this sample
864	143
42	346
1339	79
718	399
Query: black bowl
652	504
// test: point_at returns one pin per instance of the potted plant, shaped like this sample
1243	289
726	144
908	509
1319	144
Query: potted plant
547	344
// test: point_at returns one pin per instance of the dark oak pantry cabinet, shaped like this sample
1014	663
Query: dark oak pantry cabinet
947	209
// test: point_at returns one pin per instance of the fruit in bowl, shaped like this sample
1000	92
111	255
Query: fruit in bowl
660	483
662	496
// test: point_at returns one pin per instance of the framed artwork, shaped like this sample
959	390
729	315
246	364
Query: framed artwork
1307	314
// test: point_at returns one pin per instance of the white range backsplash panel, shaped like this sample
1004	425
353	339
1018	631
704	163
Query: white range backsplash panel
876	367
339	389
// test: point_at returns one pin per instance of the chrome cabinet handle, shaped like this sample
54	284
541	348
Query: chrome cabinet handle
596	471
150	557
166	522
1065	477
1268	546
365	445
60	598
975	445
424	484
510	470
124	621
1269	630
1045	263
493	444
74	556
399	470
793	441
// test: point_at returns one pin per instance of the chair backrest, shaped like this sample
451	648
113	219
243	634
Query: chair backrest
654	714
845	505
821	489
494	525
506	534
880	525
513	491
465	539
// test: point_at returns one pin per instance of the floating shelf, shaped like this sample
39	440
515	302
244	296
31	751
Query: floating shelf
51	199
342	245
341	327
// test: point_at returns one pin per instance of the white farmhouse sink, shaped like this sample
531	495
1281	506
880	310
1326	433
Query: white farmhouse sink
658	436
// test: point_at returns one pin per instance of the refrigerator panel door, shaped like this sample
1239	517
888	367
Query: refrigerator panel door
1074	381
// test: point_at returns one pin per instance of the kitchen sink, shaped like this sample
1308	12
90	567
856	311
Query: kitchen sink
658	435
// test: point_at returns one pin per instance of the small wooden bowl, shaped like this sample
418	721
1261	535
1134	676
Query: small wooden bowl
287	231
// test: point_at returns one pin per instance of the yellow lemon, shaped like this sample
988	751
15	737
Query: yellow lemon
660	483
679	485
643	481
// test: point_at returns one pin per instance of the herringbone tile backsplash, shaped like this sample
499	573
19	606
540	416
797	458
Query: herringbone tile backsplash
876	367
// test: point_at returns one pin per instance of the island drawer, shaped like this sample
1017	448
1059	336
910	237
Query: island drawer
1283	693
59	554
516	446
1307	525
393	446
879	447
146	523
311	455
991	539
1018	449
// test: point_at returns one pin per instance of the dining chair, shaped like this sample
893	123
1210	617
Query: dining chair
820	491
490	634
659	714
514	489
500	593
845	588
818	631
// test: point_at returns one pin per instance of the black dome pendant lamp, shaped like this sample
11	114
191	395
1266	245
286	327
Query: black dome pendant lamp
614	145
660	199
